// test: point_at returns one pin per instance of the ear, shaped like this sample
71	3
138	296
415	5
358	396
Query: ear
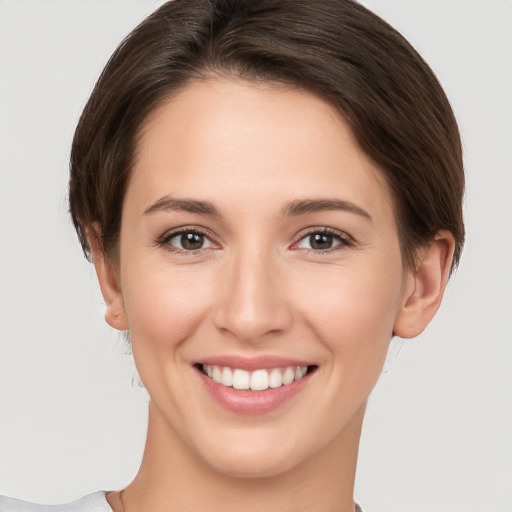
424	287
108	277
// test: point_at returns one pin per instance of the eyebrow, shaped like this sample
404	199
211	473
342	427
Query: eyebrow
294	208
304	206
186	205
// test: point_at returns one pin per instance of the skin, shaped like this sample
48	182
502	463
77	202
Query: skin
256	287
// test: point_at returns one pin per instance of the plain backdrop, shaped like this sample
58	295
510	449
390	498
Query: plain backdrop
438	432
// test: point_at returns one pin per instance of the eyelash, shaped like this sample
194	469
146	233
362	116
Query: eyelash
164	241
345	241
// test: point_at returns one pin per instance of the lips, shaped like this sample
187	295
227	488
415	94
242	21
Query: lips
253	385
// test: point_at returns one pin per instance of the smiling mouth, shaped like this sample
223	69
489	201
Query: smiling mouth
256	380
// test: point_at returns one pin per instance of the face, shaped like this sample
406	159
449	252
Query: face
258	250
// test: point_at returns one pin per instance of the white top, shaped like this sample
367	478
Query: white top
96	502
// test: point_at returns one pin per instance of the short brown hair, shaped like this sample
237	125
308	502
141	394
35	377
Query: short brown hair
336	49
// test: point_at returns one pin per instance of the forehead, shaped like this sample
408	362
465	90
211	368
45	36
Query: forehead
221	138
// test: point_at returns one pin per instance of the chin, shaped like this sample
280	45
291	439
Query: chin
250	455
258	466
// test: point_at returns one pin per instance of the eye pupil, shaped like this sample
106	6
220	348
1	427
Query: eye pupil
192	241
320	241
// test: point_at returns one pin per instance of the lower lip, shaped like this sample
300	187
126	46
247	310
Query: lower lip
252	402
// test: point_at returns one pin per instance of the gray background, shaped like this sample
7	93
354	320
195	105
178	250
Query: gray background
438	433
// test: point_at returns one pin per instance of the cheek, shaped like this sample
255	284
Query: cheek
352	312
164	305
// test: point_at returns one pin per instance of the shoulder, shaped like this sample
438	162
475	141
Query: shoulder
95	502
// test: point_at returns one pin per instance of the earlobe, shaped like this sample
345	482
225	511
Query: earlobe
424	287
108	277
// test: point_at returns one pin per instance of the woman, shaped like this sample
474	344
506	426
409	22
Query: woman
269	191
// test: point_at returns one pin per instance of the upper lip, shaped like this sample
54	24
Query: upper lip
253	363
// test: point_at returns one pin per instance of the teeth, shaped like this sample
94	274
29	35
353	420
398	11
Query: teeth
258	380
241	379
275	379
216	374
226	377
288	376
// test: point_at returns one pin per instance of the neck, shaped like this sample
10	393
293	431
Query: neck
173	477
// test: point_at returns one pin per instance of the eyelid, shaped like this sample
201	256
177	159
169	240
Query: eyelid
345	239
163	241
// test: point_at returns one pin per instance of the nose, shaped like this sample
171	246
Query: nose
252	303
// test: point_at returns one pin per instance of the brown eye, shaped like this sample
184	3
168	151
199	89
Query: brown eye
320	241
324	241
188	241
191	241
